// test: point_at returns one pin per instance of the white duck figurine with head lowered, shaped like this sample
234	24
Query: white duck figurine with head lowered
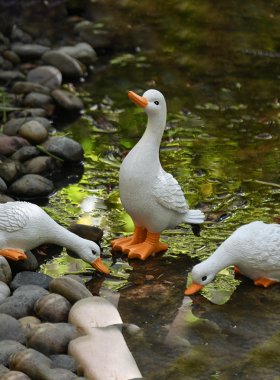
254	251
152	197
24	226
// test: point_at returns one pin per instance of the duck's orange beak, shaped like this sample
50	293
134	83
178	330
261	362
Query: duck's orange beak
139	100
193	288
97	264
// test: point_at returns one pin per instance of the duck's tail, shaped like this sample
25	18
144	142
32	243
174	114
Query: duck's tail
194	217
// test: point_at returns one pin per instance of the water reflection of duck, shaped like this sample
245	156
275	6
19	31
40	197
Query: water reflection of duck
152	197
253	249
24	226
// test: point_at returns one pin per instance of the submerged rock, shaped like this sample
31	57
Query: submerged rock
31	185
48	76
66	64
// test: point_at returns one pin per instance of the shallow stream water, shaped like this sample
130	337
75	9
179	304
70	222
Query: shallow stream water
217	64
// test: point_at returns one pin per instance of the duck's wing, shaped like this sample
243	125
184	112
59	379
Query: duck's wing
169	194
13	216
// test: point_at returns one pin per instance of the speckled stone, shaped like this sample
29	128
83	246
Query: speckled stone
10	170
51	338
72	290
33	131
9	347
11	329
53	308
30	278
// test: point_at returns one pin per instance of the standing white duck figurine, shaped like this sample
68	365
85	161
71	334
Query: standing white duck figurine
152	197
24	226
252	248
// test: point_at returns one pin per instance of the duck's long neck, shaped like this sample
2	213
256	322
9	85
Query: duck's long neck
220	259
154	131
67	239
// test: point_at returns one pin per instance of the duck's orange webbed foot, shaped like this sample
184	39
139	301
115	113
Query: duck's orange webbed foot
236	270
13	254
145	249
264	282
138	236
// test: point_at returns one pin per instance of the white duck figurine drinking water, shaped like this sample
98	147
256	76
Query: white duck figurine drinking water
152	197
252	248
24	226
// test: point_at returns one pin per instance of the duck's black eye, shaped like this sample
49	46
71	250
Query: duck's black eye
156	102
204	278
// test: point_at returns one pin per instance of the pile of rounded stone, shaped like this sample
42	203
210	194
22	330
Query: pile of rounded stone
35	334
27	151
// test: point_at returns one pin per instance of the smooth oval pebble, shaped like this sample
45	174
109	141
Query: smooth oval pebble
10	170
10	144
4	291
11	329
51	338
71	289
30	278
5	270
66	64
40	165
68	100
53	308
31	185
25	153
67	149
48	76
9	347
33	131
27	323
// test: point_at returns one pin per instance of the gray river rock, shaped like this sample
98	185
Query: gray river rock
40	165
12	126
81	51
9	347
68	100
27	87
67	149
32	185
30	278
11	329
48	76
5	270
29	51
10	170
66	64
36	99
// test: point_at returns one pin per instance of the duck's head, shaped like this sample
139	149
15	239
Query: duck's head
152	102
202	274
91	255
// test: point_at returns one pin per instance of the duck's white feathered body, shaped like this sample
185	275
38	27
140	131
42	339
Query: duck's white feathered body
24	226
252	248
152	197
